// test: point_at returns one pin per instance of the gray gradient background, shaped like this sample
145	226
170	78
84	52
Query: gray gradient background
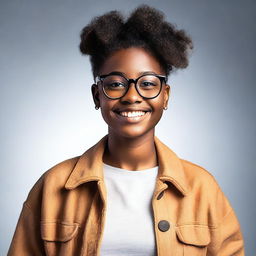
47	113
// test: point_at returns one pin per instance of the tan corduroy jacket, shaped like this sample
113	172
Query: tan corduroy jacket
64	213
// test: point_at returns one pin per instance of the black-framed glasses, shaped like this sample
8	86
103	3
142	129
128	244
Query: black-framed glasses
115	85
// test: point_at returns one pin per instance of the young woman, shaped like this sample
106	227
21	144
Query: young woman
129	194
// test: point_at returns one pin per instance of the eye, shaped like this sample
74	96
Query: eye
114	85
147	84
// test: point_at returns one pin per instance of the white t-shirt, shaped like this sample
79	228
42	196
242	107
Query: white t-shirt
129	228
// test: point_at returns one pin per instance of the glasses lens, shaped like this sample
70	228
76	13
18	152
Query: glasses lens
115	86
149	86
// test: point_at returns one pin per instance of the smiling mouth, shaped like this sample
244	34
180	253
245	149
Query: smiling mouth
130	115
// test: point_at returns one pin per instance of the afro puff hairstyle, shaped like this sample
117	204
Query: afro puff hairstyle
144	28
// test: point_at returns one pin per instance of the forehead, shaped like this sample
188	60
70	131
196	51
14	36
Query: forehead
132	62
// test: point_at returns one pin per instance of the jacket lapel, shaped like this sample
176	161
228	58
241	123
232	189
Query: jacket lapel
90	167
170	167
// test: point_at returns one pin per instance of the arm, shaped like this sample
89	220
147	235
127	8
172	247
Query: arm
227	236
231	240
27	238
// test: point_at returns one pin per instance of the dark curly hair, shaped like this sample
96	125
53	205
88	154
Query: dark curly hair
144	28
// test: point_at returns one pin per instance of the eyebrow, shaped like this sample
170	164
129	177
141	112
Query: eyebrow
147	72
140	73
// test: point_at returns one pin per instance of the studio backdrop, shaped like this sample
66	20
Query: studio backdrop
48	115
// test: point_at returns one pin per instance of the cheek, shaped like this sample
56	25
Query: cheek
158	103
105	112
104	115
158	114
105	106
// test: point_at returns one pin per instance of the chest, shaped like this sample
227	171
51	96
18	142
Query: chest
176	224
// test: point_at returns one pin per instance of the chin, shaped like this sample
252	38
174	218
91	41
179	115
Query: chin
133	133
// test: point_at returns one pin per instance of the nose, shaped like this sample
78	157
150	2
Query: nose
131	96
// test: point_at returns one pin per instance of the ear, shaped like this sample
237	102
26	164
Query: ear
167	91
95	95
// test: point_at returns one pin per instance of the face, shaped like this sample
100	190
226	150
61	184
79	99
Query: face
132	115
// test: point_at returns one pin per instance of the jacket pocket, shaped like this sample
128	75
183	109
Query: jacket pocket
192	240
60	238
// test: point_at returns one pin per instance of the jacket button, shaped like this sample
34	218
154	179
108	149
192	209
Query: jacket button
160	195
163	225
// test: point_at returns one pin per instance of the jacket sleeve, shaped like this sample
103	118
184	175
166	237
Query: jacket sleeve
228	239
231	242
27	239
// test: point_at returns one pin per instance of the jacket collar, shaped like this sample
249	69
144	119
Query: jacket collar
89	167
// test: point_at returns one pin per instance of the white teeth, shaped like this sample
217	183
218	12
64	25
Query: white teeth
133	113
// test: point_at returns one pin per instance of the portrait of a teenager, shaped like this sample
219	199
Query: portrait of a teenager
129	193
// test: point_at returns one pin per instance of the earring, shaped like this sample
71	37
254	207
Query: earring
165	108
97	107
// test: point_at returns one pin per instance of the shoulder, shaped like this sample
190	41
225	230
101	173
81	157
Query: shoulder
62	170
191	175
192	169
202	181
198	177
53	179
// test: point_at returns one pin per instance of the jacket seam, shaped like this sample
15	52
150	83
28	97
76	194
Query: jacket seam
58	221
197	225
230	211
27	206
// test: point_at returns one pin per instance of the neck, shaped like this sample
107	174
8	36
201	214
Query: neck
137	153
